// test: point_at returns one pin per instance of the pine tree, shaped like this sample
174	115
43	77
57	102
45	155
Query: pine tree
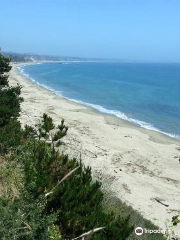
10	101
9	96
4	70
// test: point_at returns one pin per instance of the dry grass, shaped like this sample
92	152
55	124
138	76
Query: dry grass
120	208
11	177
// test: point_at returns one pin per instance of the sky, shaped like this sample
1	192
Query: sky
135	30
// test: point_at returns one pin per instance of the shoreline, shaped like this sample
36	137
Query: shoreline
134	122
136	164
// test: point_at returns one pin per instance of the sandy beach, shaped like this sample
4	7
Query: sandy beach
139	166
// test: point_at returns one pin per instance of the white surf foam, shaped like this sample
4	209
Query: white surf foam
123	116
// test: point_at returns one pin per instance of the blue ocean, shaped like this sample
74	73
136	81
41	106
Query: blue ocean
145	94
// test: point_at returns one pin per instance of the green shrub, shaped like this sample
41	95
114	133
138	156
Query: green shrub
11	136
24	218
78	200
4	69
9	96
9	104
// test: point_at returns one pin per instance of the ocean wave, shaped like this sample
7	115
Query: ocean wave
123	116
38	83
104	110
69	63
59	93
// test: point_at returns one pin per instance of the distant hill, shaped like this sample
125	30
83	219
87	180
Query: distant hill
26	57
18	57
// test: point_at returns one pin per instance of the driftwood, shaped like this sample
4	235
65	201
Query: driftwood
88	234
159	201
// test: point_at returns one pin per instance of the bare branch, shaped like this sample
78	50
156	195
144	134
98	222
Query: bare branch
89	233
62	180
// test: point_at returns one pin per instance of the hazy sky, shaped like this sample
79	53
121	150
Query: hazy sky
146	30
